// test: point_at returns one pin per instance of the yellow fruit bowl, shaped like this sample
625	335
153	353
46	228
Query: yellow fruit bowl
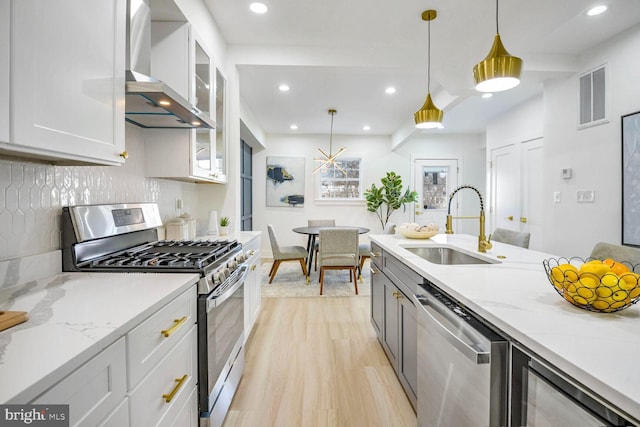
595	285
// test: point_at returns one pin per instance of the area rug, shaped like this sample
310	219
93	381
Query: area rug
289	282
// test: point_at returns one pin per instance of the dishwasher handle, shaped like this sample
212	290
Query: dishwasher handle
433	310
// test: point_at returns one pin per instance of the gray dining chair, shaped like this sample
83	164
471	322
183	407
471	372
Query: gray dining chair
319	223
339	251
285	253
511	237
617	253
364	249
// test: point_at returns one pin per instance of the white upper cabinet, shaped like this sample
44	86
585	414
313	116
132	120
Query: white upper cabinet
67	80
5	29
180	59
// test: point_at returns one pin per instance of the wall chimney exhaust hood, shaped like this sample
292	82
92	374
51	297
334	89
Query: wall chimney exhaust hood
150	103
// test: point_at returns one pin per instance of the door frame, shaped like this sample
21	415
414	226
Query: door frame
441	157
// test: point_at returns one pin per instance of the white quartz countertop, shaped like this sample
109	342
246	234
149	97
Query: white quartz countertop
599	350
72	317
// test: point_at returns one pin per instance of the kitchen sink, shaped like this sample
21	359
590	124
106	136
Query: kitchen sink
448	256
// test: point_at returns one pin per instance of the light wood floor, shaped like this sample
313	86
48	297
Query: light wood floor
317	362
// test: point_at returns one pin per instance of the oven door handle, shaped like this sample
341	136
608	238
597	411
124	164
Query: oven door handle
215	300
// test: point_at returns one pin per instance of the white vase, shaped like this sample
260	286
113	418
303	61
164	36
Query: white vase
224	230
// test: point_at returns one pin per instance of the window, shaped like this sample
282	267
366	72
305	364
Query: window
336	184
592	97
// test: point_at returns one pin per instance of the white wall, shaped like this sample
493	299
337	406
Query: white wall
377	159
594	153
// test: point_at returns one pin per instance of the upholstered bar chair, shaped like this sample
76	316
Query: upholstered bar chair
511	237
339	251
364	249
285	253
617	253
319	223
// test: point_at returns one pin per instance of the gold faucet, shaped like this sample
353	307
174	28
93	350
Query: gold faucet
483	242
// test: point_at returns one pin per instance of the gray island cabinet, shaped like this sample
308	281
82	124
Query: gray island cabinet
394	315
556	368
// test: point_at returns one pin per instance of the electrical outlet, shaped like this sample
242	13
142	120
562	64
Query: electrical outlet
586	196
179	204
556	197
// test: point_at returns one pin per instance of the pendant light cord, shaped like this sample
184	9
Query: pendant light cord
429	56
331	136
497	30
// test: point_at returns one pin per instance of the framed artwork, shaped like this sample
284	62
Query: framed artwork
285	181
631	179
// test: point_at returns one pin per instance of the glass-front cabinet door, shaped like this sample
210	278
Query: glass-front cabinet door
203	146
220	167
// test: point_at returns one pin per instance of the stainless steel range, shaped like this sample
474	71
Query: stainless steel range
124	238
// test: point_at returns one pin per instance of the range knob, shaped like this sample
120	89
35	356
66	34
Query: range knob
232	265
241	258
218	277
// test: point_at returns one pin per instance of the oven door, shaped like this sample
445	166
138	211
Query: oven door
220	341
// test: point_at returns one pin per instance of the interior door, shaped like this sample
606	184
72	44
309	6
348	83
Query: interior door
434	180
517	189
532	191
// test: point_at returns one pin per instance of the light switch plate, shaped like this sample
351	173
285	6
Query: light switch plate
586	196
566	173
556	197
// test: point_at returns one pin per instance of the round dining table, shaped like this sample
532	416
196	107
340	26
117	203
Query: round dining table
313	233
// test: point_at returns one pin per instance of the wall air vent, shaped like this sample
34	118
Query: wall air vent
592	97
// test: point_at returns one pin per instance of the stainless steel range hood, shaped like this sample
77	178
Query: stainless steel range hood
150	103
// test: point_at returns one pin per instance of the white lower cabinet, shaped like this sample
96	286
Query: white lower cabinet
160	396
252	287
119	417
94	390
146	378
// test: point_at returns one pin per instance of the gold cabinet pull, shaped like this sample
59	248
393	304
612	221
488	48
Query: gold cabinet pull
169	397
124	155
510	218
253	267
176	324
398	295
418	212
374	254
523	219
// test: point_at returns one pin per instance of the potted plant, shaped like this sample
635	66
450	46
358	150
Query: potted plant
224	225
386	199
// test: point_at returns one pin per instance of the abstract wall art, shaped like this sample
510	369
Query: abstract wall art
631	179
285	181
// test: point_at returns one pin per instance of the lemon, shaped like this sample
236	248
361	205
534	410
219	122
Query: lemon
600	305
580	300
570	287
619	296
597	268
557	284
604	293
635	292
610	280
587	294
589	281
617	304
629	281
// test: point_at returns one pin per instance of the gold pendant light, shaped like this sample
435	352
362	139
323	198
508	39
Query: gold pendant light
429	116
499	70
329	159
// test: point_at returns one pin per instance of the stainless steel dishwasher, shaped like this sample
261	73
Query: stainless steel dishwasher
462	366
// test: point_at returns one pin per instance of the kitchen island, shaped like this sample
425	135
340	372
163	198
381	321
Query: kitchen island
600	351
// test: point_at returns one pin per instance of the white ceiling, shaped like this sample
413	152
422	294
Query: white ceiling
342	54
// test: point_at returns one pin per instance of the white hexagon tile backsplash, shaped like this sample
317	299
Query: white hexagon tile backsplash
32	196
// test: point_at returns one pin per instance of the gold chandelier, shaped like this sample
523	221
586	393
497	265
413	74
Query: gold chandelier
429	116
329	159
499	70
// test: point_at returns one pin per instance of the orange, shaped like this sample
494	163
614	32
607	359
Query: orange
619	268
609	262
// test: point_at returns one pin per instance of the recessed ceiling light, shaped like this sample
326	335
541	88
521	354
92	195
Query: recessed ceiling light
258	7
390	90
196	123
597	10
164	102
283	87
293	127
366	127
487	95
